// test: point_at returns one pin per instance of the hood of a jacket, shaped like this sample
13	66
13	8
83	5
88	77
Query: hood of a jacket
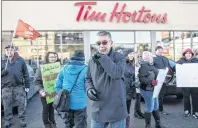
74	67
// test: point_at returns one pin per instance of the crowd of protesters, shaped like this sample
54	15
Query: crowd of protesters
111	80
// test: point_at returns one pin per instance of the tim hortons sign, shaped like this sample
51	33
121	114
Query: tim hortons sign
87	13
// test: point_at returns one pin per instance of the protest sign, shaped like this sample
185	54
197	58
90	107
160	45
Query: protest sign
160	78
49	73
186	75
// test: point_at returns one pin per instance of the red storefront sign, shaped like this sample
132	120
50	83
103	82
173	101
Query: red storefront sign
87	13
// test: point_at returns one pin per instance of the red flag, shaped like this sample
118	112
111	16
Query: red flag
26	31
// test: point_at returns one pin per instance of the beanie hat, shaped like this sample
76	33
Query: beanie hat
78	55
128	51
158	47
188	50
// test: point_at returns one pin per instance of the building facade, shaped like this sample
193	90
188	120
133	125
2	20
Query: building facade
68	25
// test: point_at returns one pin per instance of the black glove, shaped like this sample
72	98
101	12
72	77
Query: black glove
92	94
95	57
4	72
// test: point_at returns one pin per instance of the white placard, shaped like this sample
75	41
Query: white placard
160	78
187	75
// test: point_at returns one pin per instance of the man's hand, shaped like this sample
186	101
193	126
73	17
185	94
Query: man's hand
96	56
27	89
154	82
92	94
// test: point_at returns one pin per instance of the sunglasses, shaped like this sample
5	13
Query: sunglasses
103	42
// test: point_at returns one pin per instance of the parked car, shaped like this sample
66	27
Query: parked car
32	89
171	88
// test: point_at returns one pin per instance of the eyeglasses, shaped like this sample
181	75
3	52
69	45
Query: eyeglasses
103	42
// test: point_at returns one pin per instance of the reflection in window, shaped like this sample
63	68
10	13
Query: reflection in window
165	39
182	41
142	47
143	37
69	37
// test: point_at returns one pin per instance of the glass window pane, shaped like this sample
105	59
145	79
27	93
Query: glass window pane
117	37
182	41
142	47
165	39
69	37
143	37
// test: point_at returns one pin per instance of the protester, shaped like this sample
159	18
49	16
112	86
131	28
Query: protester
188	57
129	79
147	76
137	107
56	57
74	71
12	85
48	110
105	86
161	62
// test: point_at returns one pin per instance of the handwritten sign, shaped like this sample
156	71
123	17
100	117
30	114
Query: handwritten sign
49	73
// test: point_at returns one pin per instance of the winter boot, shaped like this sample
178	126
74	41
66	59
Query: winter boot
157	119
47	126
147	117
128	122
138	115
23	123
53	125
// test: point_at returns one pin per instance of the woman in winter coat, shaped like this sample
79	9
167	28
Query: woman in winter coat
72	78
147	76
188	57
48	109
129	78
137	107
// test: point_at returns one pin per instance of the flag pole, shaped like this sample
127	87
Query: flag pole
11	43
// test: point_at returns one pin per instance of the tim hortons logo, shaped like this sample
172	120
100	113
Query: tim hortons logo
87	13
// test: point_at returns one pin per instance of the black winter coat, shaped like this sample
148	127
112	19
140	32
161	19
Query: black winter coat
17	73
147	73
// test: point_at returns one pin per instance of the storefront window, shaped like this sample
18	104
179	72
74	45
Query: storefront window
139	48
182	41
69	37
142	37
118	37
165	39
195	40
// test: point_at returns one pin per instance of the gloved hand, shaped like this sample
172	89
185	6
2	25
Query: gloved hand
4	72
154	82
27	89
92	94
95	57
43	93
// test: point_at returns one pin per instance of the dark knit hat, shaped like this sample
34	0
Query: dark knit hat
128	51
9	46
78	55
158	47
188	50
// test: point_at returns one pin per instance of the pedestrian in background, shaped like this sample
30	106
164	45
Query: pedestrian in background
137	107
161	62
147	76
188	57
72	79
14	82
129	79
48	110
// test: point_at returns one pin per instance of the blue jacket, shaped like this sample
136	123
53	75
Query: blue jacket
66	80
